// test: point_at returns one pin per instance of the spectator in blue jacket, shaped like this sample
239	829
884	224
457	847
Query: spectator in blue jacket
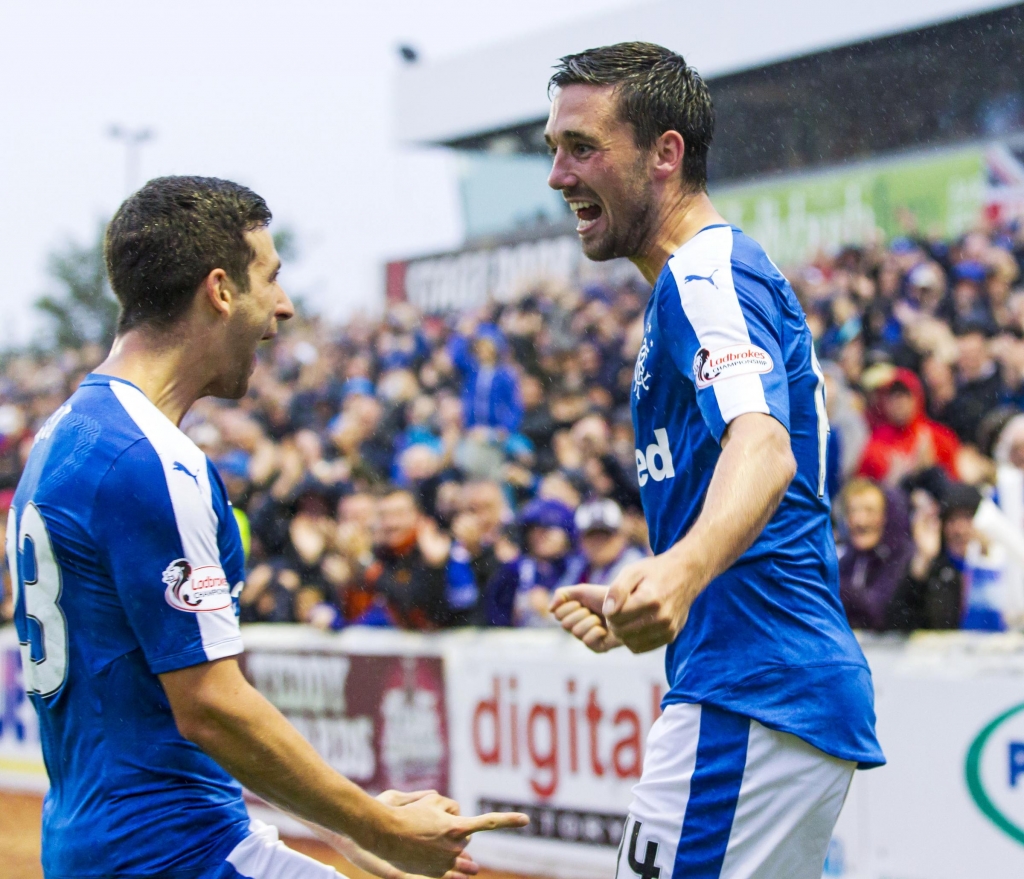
490	389
519	593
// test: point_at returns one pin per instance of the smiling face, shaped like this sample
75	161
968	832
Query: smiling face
600	172
397	518
547	544
253	319
865	517
899	406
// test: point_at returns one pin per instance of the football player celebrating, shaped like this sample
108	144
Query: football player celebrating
127	565
770	702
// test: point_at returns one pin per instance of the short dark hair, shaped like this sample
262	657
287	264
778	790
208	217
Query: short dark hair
657	92
170	235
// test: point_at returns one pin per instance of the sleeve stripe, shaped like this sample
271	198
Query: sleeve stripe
188	484
716	315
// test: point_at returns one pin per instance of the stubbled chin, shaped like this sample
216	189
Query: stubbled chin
597	246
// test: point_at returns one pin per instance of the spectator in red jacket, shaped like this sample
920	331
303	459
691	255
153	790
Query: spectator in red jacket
903	439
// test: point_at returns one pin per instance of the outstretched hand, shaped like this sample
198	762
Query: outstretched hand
429	835
465	867
579	610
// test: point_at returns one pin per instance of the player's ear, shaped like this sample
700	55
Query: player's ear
218	292
669	150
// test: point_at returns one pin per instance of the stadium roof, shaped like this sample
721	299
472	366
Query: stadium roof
502	86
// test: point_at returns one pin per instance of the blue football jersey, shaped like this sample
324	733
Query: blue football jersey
126	563
724	336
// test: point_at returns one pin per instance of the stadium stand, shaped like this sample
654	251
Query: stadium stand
424	471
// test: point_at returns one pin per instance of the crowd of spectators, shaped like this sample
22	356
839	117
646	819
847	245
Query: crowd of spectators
428	471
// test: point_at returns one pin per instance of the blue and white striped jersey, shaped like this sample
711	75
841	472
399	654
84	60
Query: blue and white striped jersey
768	639
126	563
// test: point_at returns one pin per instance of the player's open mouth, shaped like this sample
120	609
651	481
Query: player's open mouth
587	213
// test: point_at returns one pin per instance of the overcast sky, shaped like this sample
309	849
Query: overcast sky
290	98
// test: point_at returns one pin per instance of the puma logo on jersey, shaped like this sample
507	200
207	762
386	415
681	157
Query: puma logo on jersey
689	279
181	468
656	462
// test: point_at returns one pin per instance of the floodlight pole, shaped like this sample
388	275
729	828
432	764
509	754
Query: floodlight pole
133	139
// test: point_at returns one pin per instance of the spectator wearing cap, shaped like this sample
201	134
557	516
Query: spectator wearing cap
603	542
967	305
926	289
874	561
520	592
903	439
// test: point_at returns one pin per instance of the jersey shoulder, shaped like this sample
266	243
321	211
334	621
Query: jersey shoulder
75	447
165	467
749	257
721	259
704	260
107	432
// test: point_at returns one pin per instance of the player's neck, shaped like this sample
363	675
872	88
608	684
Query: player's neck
681	217
166	374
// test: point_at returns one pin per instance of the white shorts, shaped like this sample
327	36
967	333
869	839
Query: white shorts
261	855
723	797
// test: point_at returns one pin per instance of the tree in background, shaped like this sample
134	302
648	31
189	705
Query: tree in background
286	244
82	308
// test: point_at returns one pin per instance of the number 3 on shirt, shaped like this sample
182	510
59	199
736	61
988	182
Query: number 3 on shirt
36	574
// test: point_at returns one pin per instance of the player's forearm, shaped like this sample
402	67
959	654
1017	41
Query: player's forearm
753	472
356	855
377	866
253	741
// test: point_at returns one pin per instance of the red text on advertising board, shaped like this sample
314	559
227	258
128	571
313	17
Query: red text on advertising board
576	734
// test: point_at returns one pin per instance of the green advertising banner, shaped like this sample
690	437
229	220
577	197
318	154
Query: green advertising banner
794	218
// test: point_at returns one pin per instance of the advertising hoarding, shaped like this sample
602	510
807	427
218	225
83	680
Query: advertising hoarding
531	720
